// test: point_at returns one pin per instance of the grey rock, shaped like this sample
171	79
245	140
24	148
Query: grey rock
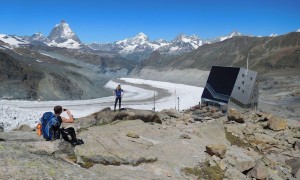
232	173
294	163
244	165
185	136
273	175
24	127
20	136
197	117
18	163
107	116
163	115
117	149
296	145
172	113
259	171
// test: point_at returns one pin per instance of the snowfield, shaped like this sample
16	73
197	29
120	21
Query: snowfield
14	113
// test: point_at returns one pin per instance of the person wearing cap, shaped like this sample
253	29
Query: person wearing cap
118	93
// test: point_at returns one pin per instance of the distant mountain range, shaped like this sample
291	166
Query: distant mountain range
136	48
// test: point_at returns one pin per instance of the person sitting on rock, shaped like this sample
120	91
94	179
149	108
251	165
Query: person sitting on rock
118	93
68	131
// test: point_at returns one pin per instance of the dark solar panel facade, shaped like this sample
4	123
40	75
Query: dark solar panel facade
220	83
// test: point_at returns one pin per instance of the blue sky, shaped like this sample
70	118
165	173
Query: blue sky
108	21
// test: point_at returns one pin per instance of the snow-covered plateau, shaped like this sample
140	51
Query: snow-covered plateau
14	113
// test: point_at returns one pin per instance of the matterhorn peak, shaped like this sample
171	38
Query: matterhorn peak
63	36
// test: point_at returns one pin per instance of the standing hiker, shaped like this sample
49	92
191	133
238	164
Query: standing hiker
118	93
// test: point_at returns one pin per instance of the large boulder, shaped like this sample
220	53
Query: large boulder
50	147
20	136
107	116
19	163
276	123
110	144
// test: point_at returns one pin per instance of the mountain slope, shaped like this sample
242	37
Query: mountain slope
28	74
265	53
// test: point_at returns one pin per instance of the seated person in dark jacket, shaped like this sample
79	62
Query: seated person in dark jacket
65	133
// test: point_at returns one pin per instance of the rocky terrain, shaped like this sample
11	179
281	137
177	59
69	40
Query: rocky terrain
199	143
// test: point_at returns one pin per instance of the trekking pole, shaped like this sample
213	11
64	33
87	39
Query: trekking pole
154	102
178	103
175	98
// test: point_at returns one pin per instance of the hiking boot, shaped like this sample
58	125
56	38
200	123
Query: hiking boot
77	142
80	141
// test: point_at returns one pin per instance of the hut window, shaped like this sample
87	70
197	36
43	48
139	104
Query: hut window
243	75
243	91
243	82
251	78
239	87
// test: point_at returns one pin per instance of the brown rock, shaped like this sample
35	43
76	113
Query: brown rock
216	149
236	116
275	123
132	135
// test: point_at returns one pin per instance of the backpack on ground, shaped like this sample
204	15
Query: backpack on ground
49	121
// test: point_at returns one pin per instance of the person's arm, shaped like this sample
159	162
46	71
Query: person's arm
66	120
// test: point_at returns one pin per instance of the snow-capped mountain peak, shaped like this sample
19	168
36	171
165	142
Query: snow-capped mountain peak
12	40
184	40
62	36
298	30
38	37
273	35
233	34
140	38
64	31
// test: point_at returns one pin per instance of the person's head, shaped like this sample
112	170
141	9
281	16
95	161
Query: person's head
118	87
58	110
